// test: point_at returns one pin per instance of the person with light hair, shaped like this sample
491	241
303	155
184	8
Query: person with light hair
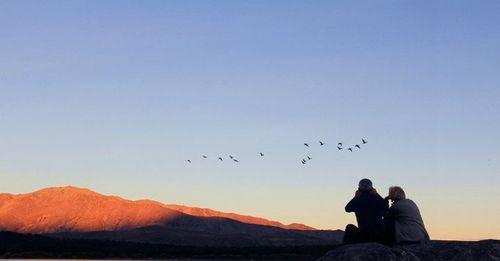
404	224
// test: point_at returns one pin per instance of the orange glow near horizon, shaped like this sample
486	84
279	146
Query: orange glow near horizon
443	222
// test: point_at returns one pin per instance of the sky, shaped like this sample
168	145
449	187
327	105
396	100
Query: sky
115	96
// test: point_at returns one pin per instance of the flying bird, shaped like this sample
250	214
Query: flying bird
220	158
231	157
321	143
339	148
309	158
235	160
357	146
189	161
364	141
303	161
340	144
350	149
261	154
204	156
306	144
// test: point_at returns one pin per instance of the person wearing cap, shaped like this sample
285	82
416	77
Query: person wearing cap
369	208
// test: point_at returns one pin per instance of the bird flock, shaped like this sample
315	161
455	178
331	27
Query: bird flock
340	147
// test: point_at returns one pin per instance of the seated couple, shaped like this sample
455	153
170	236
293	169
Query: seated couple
401	223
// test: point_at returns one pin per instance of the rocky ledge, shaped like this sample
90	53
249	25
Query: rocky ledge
435	250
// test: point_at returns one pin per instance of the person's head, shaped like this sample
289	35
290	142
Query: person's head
365	185
396	193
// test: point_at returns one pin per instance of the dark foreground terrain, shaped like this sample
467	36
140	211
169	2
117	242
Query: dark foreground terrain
437	250
14	245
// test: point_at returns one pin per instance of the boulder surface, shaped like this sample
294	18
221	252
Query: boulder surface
435	250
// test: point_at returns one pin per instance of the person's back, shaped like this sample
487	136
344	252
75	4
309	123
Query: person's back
369	208
408	223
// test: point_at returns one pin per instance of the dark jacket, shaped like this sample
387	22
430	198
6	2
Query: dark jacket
369	209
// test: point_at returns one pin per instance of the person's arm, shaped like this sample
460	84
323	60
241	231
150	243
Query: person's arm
382	204
391	212
389	226
352	205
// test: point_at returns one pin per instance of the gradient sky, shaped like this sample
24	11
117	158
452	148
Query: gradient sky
116	95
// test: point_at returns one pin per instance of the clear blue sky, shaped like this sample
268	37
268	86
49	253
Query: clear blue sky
116	95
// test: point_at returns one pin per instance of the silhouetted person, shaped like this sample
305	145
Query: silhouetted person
369	208
403	222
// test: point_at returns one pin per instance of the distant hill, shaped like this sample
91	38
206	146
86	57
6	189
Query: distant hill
81	213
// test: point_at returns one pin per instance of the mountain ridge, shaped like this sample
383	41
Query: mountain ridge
53	199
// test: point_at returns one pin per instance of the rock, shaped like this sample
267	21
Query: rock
435	250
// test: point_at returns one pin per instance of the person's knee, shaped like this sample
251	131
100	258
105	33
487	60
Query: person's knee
350	227
350	234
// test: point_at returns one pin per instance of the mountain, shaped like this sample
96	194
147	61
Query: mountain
206	212
75	209
81	213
